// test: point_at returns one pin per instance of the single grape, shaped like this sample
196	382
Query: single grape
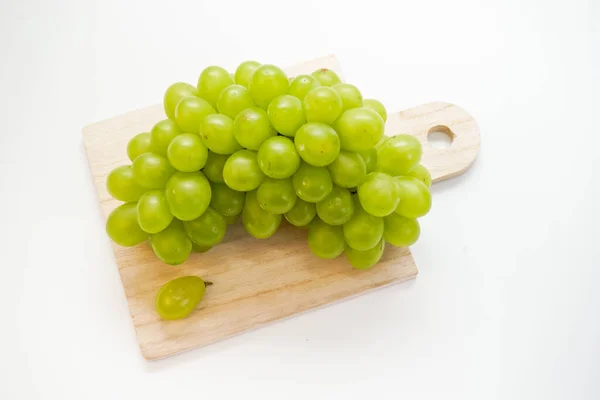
337	207
365	259
259	223
187	153
196	248
359	129
171	245
421	173
303	84
211	83
415	198
267	82
312	183
233	100
370	157
188	194
179	297
401	231
277	157
241	171
276	196
350	95
378	194
214	167
363	230
286	114
399	154
348	170
121	184
326	77
244	72
139	144
190	113
153	211
162	133
252	127
174	94
318	144
122	226
152	171
225	200
376	106
322	104
216	132
324	240
302	213
208	229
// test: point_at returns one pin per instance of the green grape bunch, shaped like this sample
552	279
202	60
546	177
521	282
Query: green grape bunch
256	145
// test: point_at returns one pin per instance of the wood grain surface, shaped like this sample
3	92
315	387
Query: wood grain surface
257	282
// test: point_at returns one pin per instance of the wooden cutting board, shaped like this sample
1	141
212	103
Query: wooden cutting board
257	282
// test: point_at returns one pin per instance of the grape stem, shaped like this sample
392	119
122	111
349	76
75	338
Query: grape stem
207	284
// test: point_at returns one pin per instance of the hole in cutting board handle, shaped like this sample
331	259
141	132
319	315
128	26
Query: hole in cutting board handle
440	137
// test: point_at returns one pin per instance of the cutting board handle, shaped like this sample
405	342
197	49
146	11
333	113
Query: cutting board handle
452	120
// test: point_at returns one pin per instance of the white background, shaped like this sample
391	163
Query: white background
506	305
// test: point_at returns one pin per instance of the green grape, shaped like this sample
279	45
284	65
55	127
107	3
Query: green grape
179	297
401	231
276	196
359	129
399	154
363	230
233	100
302	213
286	114
318	144
196	248
226	201
241	171
303	84
244	72
259	223
415	198
152	171
278	158
139	144
171	245
174	94
214	167
267	82
421	173
121	184
365	259
122	226
162	133
326	77
337	207
233	218
187	153
350	95
217	134
312	183
322	104
153	211
324	240
252	127
208	229
370	157
378	194
188	194
190	113
376	106
348	170
211	83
